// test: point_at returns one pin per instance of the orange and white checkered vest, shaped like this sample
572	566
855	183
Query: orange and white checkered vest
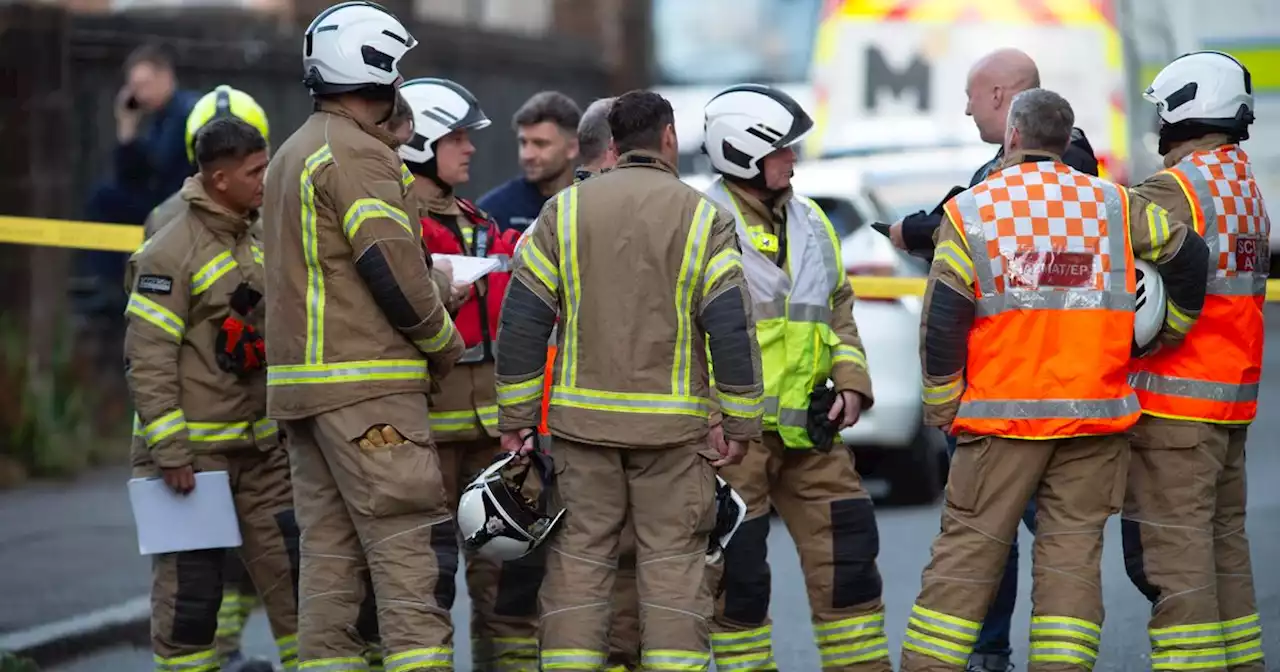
1055	287
1213	376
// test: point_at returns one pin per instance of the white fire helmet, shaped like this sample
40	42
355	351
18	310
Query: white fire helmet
730	512
1149	307
497	520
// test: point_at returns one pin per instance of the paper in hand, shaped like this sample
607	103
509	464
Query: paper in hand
467	270
168	522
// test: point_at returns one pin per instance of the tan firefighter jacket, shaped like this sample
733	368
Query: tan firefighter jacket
466	407
180	284
352	311
170	208
640	269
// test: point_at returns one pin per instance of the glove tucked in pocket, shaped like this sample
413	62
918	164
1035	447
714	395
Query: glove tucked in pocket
241	350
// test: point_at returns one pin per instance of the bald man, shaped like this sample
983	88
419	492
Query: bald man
993	82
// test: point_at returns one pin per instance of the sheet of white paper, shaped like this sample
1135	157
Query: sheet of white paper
467	270
168	522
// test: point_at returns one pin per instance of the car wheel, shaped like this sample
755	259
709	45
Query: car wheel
916	474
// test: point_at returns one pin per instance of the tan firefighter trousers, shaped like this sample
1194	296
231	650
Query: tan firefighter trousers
384	509
186	588
832	521
1185	547
1078	483
669	493
239	599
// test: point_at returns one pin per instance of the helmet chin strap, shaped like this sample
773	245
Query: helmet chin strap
758	183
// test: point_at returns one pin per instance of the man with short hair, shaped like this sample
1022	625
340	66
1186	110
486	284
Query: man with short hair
630	421
1035	251
358	338
596	152
547	129
194	359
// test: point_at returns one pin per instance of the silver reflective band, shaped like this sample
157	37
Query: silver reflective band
628	405
1194	389
1174	661
1240	285
1030	299
779	307
1041	650
674	660
283	376
554	659
864	650
754	661
1047	409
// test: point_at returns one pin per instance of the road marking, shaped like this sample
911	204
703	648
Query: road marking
129	611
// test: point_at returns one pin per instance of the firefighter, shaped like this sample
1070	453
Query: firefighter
803	307
1035	251
194	359
631	398
1183	525
358	336
223	101
464	414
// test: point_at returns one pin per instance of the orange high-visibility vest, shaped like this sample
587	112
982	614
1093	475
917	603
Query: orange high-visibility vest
1051	264
1214	375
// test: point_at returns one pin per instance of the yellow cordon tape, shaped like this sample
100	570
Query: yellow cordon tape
127	238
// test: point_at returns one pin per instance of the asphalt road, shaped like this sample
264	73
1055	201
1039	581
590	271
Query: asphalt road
905	537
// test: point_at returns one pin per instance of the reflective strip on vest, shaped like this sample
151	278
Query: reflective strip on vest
365	209
156	314
792	311
1042	262
211	272
566	393
1213	376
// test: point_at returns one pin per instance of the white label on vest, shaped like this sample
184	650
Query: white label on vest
1246	254
1033	269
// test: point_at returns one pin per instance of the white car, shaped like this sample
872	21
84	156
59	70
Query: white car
889	440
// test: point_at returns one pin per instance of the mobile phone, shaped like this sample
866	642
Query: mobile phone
132	103
881	227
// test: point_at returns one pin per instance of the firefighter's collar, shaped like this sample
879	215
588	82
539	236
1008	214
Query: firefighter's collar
433	199
1028	156
646	158
213	215
772	210
1185	148
383	135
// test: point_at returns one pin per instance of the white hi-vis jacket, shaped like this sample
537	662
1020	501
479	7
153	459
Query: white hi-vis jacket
797	305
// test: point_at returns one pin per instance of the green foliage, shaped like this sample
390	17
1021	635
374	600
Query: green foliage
46	417
12	663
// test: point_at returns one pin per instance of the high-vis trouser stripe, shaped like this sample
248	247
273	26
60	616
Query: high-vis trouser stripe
858	627
674	659
1240	628
629	402
204	661
211	272
314	351
419	659
571	659
724	261
346	372
1190	659
728	642
1062	627
365	209
510	394
232	613
536	261
440	340
1183	635
1244	652
959	629
567	233
164	427
848	353
750	662
857	652
157	315
288	648
926	629
947	652
1063	652
334	665
741	407
690	270
851	640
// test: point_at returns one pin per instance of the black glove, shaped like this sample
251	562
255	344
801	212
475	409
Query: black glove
821	430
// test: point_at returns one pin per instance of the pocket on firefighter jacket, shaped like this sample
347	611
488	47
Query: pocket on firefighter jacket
963	480
401	478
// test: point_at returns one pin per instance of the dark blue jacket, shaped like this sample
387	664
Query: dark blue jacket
149	168
514	204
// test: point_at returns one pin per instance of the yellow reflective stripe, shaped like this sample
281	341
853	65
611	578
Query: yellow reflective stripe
690	270
157	315
941	394
728	642
629	402
1199	633
567	233
947	652
452	421
737	406
571	659
1068	621
288	648
850	628
957	258
406	177
957	628
164	427
1158	227
314	351
539	264
752	662
1176	319
334	665
204	661
1242	627
346	372
1062	652
674	659
208	274
257	255
264	428
440	340
488	415
1244	652
510	394
365	209
208	432
858	651
469	235
848	353
724	261
419	659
